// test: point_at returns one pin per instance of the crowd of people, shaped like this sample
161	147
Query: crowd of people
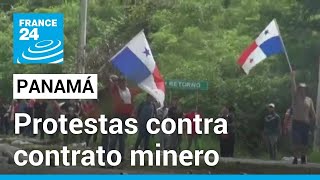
298	124
46	109
299	119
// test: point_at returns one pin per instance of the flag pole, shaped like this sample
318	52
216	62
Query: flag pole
284	47
316	143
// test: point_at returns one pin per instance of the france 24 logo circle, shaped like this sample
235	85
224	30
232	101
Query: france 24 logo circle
38	38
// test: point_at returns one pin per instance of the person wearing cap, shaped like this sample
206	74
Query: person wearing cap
303	119
272	129
123	108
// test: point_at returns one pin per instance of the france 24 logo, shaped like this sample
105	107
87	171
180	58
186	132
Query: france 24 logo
38	38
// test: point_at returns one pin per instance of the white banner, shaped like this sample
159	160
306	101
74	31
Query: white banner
55	86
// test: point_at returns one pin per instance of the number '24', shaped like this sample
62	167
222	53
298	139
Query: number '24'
26	35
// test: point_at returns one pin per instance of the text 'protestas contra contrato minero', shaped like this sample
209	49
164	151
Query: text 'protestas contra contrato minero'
103	125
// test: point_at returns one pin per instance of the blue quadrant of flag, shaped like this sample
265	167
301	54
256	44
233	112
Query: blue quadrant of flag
272	46
131	66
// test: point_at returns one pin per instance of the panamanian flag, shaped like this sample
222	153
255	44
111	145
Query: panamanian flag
268	43
135	61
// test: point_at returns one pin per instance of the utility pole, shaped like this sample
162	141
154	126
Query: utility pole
81	64
316	140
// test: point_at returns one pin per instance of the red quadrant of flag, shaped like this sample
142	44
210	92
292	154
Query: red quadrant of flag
246	53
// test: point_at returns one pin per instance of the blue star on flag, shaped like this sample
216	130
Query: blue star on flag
146	52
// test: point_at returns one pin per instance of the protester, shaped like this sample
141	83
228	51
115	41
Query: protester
175	113
91	109
123	108
227	141
146	111
2	117
286	133
272	129
30	112
14	107
303	119
6	120
40	112
22	108
193	138
162	113
71	109
287	123
86	107
52	111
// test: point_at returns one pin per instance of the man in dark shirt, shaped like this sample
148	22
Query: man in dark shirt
162	113
71	109
272	128
227	141
146	111
22	107
175	113
30	112
40	112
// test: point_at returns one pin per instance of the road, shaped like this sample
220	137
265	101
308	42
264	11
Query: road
269	163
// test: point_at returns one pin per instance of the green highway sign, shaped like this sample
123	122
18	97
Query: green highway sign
187	85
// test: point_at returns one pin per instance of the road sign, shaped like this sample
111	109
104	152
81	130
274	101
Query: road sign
187	85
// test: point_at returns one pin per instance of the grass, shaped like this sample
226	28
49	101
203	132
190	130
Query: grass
315	157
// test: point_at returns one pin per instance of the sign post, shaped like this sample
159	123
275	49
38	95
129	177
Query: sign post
197	100
316	142
188	85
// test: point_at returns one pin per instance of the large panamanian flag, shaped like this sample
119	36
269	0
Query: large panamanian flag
268	43
135	62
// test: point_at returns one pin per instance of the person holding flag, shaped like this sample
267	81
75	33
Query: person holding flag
123	109
268	43
303	119
136	63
